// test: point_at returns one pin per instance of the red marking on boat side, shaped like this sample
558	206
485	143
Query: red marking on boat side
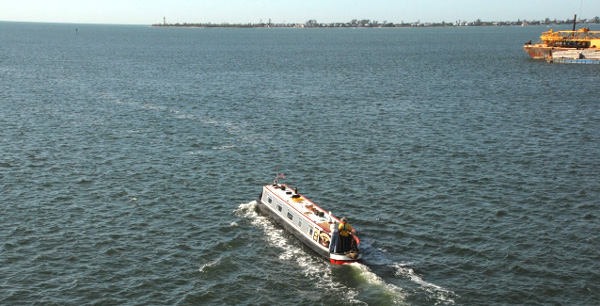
342	262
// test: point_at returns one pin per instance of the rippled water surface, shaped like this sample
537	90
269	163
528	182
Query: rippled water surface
131	158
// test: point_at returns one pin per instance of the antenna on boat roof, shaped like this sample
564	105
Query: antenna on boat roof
574	22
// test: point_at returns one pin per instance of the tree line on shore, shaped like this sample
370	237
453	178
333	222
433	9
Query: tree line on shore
366	23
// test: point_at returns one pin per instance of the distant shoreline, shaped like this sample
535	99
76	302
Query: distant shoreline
365	23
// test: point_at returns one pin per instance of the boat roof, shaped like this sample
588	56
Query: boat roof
302	205
581	34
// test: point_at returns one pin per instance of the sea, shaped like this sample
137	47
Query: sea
131	159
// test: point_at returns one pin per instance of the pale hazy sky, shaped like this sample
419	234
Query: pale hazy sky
253	11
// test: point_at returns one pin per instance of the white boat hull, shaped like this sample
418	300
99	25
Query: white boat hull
306	221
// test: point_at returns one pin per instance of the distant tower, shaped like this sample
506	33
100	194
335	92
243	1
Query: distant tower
164	20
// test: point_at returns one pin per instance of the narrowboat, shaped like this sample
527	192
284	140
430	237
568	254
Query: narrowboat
311	224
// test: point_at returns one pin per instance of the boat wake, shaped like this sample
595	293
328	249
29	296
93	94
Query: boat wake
441	295
378	260
210	264
377	284
325	276
238	129
322	274
311	267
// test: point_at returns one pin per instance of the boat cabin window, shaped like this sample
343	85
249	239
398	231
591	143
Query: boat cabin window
299	222
269	200
290	216
310	232
279	207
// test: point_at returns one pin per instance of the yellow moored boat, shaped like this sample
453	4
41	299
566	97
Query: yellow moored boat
567	46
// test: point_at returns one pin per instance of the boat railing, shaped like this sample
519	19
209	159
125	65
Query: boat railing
581	35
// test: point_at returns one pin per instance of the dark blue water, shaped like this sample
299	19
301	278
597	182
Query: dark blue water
131	157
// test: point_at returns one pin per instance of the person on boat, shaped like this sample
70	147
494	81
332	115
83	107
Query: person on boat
345	238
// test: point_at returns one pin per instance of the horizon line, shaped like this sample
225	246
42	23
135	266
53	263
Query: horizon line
585	20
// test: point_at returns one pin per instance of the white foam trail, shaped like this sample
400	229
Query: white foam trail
224	147
248	210
186	116
153	107
239	129
390	289
209	264
442	295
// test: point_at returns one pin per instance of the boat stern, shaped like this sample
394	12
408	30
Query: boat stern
538	51
339	255
341	259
